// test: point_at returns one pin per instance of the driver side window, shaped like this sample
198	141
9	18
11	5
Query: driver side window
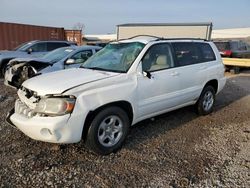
39	47
81	57
158	57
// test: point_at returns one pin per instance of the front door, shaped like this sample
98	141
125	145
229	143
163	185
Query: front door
159	84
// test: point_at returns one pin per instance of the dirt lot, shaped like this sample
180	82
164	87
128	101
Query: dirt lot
177	149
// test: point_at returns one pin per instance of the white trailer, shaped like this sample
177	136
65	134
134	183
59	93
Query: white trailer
166	30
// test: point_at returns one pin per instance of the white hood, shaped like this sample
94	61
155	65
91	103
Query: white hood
58	82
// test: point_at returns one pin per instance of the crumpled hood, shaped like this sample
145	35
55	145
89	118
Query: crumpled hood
58	82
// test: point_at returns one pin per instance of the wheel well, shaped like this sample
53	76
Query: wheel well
214	84
126	106
4	62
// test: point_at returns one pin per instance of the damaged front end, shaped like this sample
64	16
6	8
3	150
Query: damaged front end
17	72
29	104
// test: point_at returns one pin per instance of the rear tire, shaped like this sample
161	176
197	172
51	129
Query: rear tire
206	101
108	130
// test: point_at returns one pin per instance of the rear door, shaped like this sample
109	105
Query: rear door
194	61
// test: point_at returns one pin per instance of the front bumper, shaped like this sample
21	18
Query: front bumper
60	129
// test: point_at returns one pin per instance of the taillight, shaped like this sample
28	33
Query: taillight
227	53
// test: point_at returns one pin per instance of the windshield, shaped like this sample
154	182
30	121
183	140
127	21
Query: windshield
115	57
23	47
58	54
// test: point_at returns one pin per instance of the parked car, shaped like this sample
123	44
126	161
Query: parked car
124	83
20	69
30	49
233	48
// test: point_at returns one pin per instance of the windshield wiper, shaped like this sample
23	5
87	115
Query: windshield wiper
102	69
94	68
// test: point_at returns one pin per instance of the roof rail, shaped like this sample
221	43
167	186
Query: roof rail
156	38
182	39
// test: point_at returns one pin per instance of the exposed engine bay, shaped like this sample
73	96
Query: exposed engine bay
17	72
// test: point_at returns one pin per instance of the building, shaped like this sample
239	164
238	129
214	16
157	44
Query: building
231	33
14	34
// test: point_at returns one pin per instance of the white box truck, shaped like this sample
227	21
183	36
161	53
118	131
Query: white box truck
166	30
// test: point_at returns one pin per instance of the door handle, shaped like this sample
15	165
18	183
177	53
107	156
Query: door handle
175	73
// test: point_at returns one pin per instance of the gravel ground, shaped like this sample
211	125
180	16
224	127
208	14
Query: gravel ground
177	149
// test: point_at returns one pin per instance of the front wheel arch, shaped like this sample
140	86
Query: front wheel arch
125	105
3	66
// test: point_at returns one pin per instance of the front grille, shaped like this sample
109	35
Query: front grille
23	109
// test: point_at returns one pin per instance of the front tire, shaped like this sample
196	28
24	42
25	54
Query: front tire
206	101
108	130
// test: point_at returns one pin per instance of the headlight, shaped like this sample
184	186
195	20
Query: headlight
55	106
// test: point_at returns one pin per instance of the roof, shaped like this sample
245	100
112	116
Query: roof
83	47
142	39
107	37
146	39
35	41
88	47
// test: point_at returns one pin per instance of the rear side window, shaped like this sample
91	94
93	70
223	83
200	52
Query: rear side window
242	46
222	46
234	45
188	53
55	45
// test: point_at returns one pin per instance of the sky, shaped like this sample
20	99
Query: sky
102	16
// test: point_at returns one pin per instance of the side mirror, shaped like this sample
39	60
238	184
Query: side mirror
70	61
29	50
144	72
147	74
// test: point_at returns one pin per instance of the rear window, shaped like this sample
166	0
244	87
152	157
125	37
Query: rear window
188	53
222	46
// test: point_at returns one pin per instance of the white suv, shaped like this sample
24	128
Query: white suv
124	83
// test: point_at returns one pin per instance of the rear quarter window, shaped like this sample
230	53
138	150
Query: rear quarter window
207	52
